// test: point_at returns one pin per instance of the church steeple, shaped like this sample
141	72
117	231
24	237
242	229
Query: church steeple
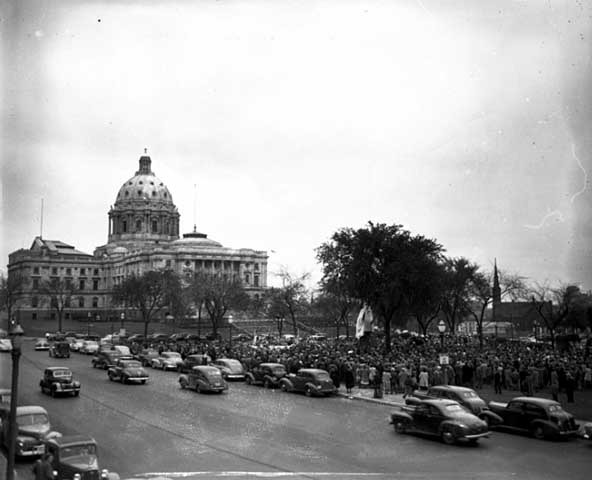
496	291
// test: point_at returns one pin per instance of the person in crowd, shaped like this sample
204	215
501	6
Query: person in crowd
554	385
349	378
570	386
43	467
423	379
497	380
386	381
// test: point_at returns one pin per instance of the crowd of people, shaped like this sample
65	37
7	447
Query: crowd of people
419	362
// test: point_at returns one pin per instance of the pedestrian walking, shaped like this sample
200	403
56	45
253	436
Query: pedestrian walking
349	378
386	381
43	468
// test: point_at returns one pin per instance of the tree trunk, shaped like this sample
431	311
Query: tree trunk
146	322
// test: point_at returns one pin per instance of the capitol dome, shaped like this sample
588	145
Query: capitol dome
196	239
144	186
143	211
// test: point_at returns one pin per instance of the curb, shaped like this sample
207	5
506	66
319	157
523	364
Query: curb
370	400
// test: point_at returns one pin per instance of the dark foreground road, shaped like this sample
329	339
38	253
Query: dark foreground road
159	430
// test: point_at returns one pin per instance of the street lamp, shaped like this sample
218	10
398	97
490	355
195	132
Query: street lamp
230	320
441	329
122	316
16	336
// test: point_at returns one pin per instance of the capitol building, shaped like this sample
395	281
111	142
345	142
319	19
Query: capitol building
143	236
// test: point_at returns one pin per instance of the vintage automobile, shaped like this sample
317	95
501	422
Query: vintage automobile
127	371
588	431
76	345
167	361
311	381
41	344
136	338
76	454
467	397
89	347
193	361
57	381
266	374
146	356
106	359
446	419
203	378
541	417
230	368
33	428
59	350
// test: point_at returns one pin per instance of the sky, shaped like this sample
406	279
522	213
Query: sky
276	123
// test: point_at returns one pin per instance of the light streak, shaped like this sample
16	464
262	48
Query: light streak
554	213
577	194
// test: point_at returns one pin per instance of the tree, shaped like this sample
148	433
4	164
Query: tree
335	306
459	273
377	265
554	305
218	295
148	293
10	289
59	292
290	299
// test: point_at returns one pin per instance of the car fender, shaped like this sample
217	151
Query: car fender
451	425
184	377
413	400
286	384
549	427
401	416
249	377
490	417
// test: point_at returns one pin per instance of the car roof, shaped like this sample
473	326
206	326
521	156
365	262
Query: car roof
452	388
67	440
272	365
57	368
312	370
439	402
205	368
543	402
30	409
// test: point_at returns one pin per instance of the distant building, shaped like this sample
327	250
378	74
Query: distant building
143	235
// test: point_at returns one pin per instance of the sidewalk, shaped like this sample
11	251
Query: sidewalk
581	409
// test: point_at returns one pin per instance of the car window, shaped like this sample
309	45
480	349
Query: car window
469	395
62	373
434	411
78	450
516	405
323	376
535	410
31	419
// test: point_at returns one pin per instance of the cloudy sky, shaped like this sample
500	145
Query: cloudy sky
465	121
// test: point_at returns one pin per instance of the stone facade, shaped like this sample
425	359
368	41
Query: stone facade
143	236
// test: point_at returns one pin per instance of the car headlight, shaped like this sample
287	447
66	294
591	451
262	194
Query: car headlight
462	425
76	383
104	473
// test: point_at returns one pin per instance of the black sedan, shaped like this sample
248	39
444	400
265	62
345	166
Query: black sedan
444	418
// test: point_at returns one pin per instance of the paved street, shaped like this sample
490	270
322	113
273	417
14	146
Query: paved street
157	428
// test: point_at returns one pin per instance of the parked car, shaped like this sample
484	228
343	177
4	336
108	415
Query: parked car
541	417
242	337
146	356
167	361
158	337
203	379
193	361
467	397
310	381
41	344
318	337
58	380
588	431
136	338
444	418
266	374
5	345
127	371
59	350
178	337
33	428
76	454
89	347
106	359
76	345
230	368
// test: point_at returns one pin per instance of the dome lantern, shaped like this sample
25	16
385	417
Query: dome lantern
145	163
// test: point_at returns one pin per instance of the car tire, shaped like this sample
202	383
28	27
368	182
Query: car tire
448	437
284	387
77	393
248	380
197	388
183	384
308	392
124	380
538	432
266	383
400	426
143	382
53	392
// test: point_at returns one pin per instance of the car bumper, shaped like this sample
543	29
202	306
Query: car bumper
68	389
568	433
30	450
476	435
235	376
137	379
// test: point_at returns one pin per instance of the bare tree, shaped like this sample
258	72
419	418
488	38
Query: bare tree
59	293
459	274
11	288
291	298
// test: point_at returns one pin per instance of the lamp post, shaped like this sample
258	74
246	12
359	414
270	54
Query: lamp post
230	320
122	316
441	329
16	336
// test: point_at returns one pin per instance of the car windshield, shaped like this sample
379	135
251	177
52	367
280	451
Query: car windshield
131	364
78	450
469	395
278	370
556	408
213	374
31	419
323	376
62	373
